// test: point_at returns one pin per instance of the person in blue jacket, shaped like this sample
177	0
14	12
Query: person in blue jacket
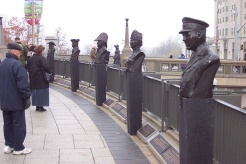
14	99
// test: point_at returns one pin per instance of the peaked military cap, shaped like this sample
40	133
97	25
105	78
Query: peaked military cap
74	40
52	43
136	35
14	46
191	24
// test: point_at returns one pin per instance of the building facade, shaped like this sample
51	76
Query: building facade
230	29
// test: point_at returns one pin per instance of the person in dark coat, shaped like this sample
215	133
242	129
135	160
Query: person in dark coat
14	99
37	67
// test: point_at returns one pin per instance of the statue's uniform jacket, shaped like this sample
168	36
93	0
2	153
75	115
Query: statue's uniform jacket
197	78
134	62
75	53
101	55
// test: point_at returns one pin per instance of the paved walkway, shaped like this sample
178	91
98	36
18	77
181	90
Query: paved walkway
74	130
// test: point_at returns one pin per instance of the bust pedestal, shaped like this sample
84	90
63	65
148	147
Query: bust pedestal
196	132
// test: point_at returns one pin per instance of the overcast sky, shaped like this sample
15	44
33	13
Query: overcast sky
86	19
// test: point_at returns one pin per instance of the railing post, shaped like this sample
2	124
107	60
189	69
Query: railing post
120	88
162	105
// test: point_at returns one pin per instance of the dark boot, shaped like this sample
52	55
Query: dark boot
41	109
37	108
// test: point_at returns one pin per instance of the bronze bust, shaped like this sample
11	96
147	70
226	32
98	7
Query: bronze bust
75	51
197	78
117	55
134	62
51	55
102	55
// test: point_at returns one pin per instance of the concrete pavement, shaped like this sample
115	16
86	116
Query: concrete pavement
75	130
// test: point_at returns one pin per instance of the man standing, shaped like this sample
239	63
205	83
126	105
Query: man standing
14	99
24	51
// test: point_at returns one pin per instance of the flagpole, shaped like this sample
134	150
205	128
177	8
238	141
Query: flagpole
33	21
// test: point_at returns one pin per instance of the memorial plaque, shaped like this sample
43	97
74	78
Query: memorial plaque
171	156
160	144
108	102
117	107
146	130
123	113
81	88
87	91
93	93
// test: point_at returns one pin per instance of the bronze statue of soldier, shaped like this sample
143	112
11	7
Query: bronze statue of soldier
51	57
196	92
134	62
75	50
117	55
102	55
134	83
74	65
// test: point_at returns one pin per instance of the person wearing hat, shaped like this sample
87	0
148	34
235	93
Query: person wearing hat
102	56
134	62
117	55
197	78
37	68
14	99
24	52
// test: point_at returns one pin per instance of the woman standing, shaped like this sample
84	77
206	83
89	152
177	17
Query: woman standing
37	67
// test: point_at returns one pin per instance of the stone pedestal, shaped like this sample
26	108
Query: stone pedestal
100	83
74	67
134	101
196	132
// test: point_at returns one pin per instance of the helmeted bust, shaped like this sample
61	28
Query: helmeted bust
76	50
117	55
102	55
134	62
197	78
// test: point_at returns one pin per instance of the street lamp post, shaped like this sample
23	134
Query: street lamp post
235	14
33	21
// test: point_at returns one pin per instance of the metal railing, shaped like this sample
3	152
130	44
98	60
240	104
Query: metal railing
161	99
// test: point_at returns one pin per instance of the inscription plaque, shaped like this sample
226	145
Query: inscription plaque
93	93
146	130
123	113
171	156
160	144
117	107
108	102
81	88
87	91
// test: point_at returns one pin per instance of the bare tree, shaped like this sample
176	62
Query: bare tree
166	48
16	27
61	40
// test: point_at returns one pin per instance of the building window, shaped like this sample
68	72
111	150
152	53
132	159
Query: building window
222	32
226	8
244	16
226	32
244	4
226	19
223	19
244	30
232	31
